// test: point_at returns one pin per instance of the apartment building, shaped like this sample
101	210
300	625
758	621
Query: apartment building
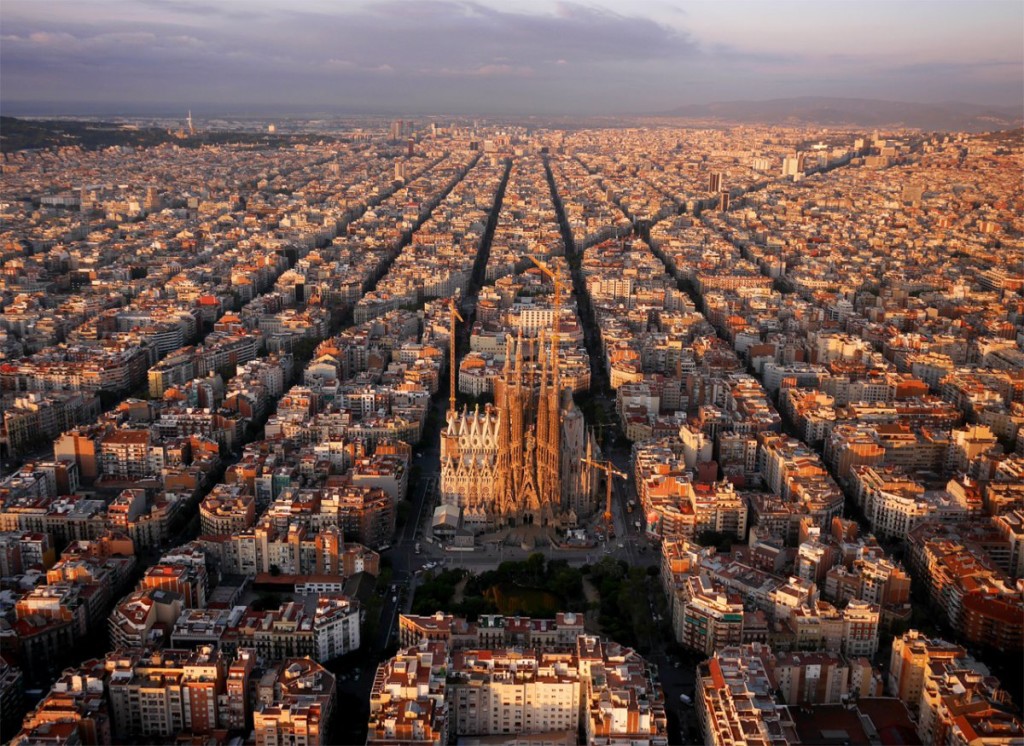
706	618
295	703
144	617
735	701
227	510
440	687
162	692
506	691
492	631
408	700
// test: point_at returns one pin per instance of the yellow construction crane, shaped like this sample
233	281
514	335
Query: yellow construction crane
609	470
559	287
452	362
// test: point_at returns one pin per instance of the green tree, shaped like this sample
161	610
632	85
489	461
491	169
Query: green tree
304	349
566	582
534	568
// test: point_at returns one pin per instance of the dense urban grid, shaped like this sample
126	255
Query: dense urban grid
424	433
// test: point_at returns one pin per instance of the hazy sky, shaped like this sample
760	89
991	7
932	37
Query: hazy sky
487	56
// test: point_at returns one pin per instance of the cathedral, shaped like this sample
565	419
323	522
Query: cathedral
518	462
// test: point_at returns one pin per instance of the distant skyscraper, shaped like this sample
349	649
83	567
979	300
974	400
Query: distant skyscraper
152	202
793	165
715	182
396	130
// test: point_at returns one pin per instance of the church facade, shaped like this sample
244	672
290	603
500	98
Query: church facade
518	462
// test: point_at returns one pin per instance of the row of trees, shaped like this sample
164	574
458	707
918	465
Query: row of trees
630	597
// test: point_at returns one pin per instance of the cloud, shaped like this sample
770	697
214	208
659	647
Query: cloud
486	71
183	6
956	67
472	55
46	39
441	34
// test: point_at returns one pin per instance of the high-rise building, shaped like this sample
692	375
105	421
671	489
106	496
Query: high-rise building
794	165
152	202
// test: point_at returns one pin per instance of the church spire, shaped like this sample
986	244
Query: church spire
543	414
555	361
519	359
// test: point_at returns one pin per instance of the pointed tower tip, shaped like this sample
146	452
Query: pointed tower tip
519	354
508	354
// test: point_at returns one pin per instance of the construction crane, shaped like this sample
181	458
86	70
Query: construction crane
609	470
452	362
559	287
600	428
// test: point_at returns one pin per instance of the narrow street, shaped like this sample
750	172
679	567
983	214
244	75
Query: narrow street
427	462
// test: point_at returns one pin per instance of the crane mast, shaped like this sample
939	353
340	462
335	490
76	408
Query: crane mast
609	470
454	317
559	287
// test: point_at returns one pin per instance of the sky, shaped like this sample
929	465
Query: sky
493	57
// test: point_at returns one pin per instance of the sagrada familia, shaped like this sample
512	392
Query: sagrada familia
518	462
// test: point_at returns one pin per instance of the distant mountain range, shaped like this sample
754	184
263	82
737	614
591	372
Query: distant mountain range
858	112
